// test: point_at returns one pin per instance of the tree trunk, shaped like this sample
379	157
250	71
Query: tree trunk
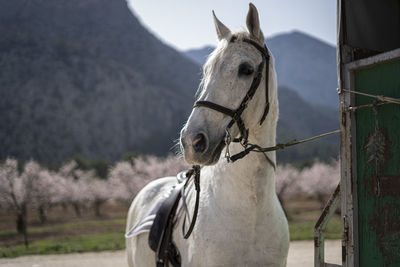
77	209
22	225
42	214
97	205
21	221
64	207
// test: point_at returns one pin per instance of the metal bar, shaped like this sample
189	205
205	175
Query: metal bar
374	60
355	108
329	209
379	97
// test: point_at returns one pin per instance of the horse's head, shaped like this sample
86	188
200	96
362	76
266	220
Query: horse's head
228	74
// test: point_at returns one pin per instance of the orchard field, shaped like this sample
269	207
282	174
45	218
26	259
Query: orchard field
72	210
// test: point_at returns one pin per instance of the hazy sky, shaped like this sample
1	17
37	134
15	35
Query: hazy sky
188	24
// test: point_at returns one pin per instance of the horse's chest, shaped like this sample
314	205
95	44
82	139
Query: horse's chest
229	243
232	237
234	250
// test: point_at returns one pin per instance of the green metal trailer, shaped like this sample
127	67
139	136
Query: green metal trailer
369	93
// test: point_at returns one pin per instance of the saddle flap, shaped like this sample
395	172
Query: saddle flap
145	224
165	213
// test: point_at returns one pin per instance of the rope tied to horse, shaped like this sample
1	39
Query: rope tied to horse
195	171
252	147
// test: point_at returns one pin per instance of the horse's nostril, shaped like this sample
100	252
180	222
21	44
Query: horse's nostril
200	143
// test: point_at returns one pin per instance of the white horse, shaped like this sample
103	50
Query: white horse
240	220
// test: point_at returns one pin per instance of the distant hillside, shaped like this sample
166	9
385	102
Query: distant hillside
199	55
307	65
84	76
298	115
298	119
302	62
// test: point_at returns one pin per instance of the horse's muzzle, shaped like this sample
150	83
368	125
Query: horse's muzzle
197	148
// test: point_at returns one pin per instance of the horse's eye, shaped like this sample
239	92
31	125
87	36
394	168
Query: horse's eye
245	69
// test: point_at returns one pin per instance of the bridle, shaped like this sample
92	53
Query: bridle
194	173
236	114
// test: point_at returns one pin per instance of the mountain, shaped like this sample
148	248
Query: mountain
307	65
297	120
85	77
298	115
302	63
199	55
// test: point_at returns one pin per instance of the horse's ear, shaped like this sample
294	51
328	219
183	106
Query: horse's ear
253	23
222	31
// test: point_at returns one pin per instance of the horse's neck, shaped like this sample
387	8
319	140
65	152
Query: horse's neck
248	182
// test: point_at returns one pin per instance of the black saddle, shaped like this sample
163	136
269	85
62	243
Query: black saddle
160	236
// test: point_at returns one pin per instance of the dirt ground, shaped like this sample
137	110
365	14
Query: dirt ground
301	254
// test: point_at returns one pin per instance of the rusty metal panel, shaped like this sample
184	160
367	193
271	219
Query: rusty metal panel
347	161
370	145
378	165
348	176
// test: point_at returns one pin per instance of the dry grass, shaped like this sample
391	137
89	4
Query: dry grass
65	232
